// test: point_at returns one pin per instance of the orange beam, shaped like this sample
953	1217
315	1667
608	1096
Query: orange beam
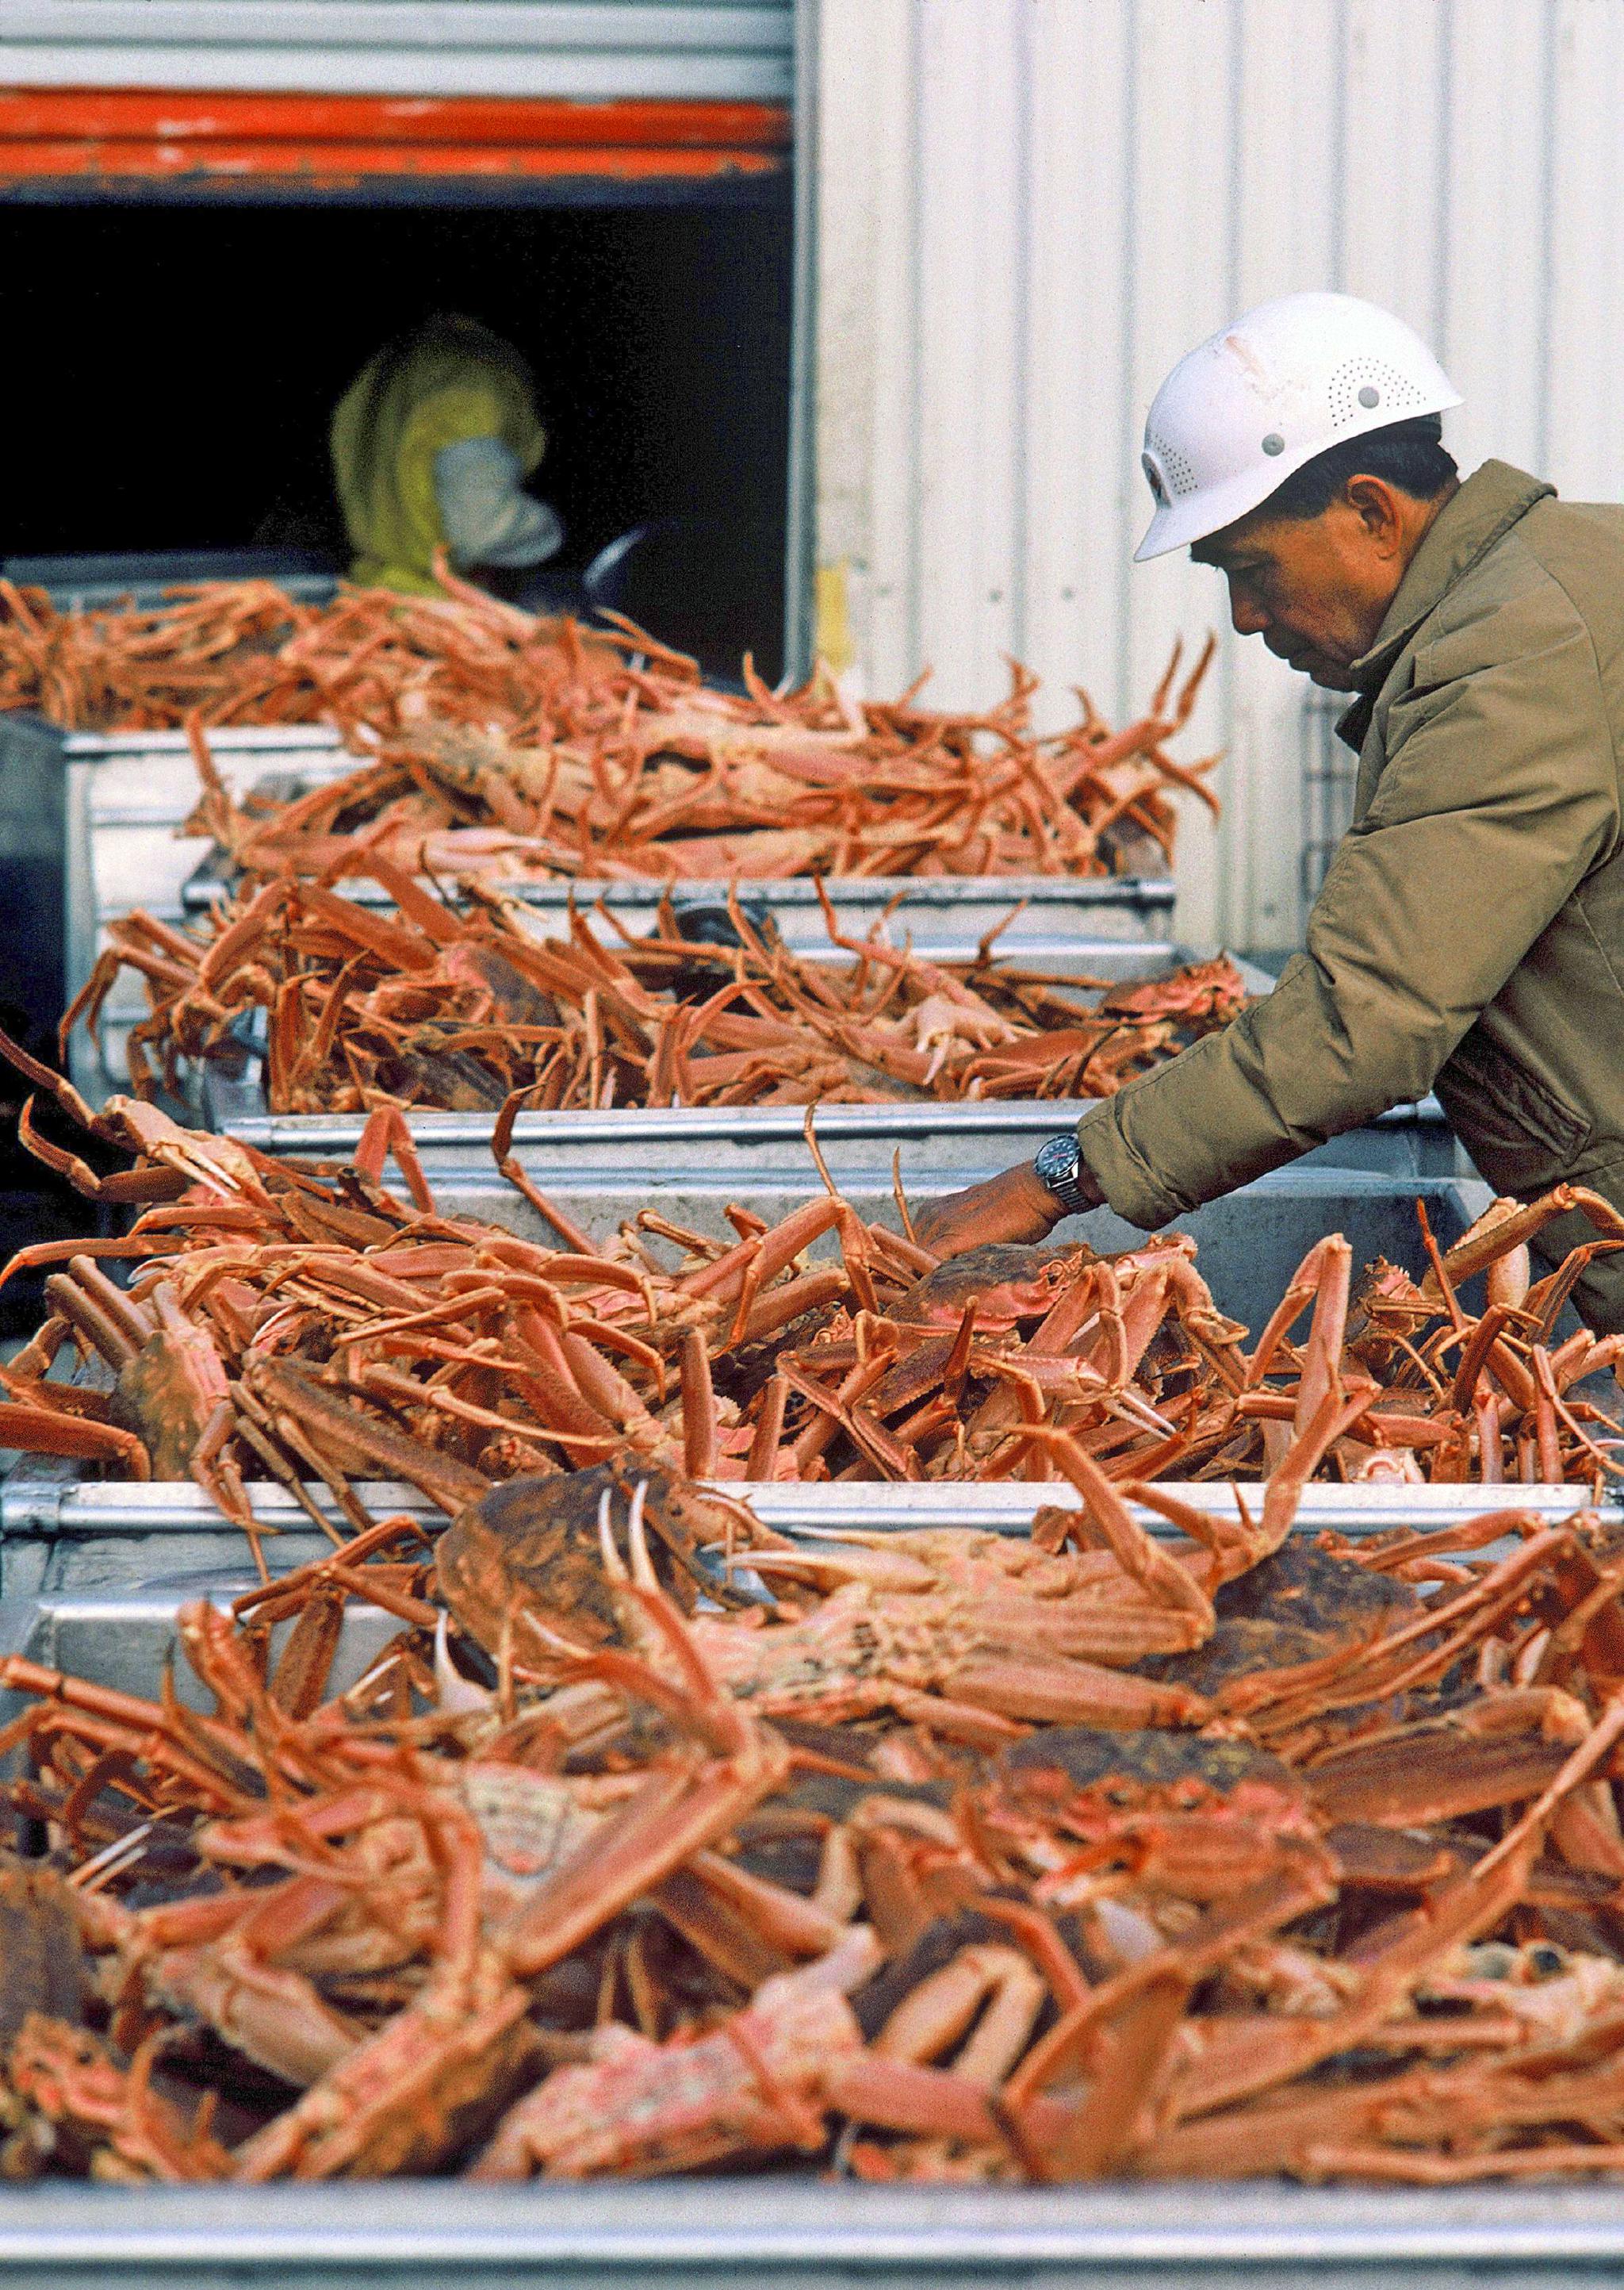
315	141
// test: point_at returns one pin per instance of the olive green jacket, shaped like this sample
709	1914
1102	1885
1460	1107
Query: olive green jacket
1469	936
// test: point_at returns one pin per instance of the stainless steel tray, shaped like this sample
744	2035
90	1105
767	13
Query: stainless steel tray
67	1539
955	907
56	1527
123	1636
89	823
224	1102
785	2227
792	2232
127	796
1410	1141
602	1169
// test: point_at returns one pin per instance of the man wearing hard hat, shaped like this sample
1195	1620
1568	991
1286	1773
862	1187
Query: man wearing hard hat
1469	936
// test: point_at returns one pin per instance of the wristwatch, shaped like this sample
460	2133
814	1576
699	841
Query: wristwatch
1057	1161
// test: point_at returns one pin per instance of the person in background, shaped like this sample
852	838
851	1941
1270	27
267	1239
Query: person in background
432	442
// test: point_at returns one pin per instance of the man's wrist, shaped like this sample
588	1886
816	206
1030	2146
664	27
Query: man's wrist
1063	1173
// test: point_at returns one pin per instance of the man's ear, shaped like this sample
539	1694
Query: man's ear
1376	505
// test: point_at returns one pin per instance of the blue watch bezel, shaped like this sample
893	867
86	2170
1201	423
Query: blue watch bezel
1061	1177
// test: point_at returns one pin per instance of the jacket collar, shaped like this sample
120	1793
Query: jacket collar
1490	503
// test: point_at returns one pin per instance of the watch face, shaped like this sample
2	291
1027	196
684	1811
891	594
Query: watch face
1056	1162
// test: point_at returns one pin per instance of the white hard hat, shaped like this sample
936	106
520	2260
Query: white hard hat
1236	418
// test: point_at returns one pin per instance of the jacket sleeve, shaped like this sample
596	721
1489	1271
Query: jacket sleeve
1499	795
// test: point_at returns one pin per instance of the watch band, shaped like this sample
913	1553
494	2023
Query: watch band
1057	1161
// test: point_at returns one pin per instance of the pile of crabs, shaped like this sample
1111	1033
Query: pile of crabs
508	746
1150	1840
465	1009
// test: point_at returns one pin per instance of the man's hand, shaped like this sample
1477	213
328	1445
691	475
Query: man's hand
1016	1207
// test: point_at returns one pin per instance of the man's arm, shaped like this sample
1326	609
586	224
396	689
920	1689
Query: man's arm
1499	794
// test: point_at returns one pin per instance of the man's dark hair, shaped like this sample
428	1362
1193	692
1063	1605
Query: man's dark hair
1407	454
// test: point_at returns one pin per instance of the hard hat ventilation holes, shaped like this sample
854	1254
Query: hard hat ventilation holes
1277	386
1361	384
1170	464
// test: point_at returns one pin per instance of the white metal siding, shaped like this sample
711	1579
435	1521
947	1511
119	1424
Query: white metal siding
1028	209
738	51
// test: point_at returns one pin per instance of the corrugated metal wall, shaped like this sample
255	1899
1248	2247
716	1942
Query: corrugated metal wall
1028	209
597	49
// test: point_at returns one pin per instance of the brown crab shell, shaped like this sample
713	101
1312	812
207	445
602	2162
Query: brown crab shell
1294	1606
39	1947
1010	1283
166	1394
1192	1816
1064	1762
531	1545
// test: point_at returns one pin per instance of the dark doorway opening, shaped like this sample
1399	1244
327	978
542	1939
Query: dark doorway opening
171	369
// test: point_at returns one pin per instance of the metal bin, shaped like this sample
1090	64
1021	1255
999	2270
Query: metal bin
691	1164
788	2231
784	2227
66	1542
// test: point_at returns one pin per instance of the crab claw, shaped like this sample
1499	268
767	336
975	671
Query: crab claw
838	1559
458	1695
637	1541
614	1566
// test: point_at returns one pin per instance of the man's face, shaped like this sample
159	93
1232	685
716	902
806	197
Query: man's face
1315	589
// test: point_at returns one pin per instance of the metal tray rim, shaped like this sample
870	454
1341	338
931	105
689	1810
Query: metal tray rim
290	1132
1139	892
239	738
33	1507
820	2228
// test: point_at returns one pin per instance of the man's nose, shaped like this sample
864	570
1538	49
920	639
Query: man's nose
1246	615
